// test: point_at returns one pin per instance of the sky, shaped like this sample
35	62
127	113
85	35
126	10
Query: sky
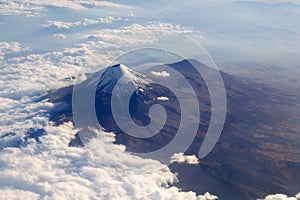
46	45
244	31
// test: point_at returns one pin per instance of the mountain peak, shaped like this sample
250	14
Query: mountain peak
126	78
120	70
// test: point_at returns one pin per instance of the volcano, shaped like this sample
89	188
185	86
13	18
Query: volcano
257	154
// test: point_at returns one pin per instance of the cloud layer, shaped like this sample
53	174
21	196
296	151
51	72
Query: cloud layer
40	53
47	168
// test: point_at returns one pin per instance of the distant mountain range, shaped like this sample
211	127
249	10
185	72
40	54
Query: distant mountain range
259	149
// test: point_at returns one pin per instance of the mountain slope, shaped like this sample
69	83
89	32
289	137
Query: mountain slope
257	154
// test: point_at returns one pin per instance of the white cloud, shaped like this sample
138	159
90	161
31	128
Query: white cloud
160	74
50	169
97	3
131	14
17	8
60	36
36	7
15	194
45	71
281	197
163	98
84	22
188	159
208	196
10	47
131	36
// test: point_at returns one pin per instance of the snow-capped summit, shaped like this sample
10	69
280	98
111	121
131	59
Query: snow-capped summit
119	77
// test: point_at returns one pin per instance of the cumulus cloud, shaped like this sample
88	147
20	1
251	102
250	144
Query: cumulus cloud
188	159
160	74
10	47
60	36
44	71
19	7
52	170
281	197
163	98
15	194
49	169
